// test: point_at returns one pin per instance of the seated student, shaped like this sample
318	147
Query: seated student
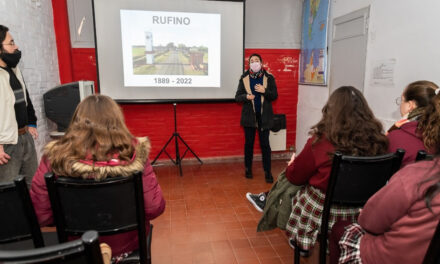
347	125
397	223
403	134
98	145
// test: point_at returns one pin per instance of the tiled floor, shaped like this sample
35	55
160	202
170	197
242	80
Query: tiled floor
208	219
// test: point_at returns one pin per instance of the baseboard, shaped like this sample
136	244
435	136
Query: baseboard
223	159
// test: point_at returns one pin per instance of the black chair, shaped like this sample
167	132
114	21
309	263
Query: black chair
84	250
353	180
18	221
432	255
422	155
111	206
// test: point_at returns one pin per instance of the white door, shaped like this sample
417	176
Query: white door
349	49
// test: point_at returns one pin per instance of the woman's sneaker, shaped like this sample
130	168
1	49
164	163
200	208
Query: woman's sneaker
257	200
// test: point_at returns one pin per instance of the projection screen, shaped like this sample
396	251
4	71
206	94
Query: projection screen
169	50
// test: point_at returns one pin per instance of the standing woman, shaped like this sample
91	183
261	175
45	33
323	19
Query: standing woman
256	90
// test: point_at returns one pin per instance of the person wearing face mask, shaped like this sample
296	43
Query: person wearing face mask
404	133
257	90
17	115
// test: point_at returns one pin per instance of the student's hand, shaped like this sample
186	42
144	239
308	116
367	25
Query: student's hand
33	131
250	97
291	159
260	88
4	158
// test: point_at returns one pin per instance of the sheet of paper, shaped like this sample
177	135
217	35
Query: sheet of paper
383	73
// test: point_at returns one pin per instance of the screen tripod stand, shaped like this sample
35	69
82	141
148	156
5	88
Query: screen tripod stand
176	138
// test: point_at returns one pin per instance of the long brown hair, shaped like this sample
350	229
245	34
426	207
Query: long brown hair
349	124
429	125
96	132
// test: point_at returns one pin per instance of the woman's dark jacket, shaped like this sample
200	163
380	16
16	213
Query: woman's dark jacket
248	118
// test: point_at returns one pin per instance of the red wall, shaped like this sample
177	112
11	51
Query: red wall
210	129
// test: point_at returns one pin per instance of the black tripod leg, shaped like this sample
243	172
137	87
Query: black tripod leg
178	159
183	141
176	136
163	149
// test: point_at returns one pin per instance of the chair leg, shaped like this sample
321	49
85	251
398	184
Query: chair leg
296	257
149	237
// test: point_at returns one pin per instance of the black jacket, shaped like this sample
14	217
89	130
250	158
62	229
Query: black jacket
248	118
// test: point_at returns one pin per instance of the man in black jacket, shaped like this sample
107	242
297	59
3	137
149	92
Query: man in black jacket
17	115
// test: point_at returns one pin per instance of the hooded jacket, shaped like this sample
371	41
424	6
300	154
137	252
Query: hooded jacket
278	205
399	225
407	138
154	201
248	118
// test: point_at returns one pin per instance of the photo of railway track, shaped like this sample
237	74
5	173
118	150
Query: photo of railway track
170	60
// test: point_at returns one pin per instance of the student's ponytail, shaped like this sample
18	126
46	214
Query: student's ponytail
429	125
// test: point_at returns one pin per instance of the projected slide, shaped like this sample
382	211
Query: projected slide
170	49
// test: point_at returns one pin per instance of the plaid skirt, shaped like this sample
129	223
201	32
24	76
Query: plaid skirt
305	219
350	245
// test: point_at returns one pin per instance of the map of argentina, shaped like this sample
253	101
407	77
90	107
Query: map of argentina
313	62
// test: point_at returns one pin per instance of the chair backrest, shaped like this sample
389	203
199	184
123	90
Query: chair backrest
353	180
85	250
18	221
422	155
432	255
111	206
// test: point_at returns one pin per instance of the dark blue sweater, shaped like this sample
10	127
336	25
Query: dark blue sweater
257	99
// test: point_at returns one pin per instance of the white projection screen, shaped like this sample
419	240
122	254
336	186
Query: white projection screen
169	50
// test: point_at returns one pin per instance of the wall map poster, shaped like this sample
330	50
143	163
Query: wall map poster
313	62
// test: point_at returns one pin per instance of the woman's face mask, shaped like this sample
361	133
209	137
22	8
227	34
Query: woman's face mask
255	63
255	66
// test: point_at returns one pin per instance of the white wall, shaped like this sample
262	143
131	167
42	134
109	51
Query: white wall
30	22
404	30
274	24
311	99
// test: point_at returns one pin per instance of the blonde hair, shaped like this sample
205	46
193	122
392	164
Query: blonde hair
96	132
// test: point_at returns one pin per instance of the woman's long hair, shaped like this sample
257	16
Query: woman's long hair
96	132
420	92
349	124
429	125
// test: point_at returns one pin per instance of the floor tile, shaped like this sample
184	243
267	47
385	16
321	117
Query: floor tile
209	220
